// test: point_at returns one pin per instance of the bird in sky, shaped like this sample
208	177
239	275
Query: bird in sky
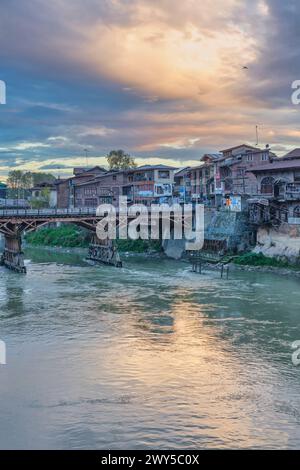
244	67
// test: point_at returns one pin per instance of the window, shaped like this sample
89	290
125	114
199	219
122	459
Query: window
228	186
297	176
91	202
114	177
226	172
264	157
164	174
297	212
90	191
267	185
250	157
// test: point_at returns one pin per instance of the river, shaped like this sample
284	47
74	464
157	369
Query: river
150	356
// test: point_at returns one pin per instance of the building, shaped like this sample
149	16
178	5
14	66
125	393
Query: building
233	174
102	189
150	184
278	194
203	179
147	184
65	187
182	185
45	190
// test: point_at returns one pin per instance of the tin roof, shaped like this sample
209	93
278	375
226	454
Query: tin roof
277	165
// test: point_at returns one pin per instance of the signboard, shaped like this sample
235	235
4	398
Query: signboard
145	193
182	193
163	189
234	203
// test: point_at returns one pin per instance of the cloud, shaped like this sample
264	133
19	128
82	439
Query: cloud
156	77
30	145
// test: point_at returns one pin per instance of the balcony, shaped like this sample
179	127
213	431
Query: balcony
292	192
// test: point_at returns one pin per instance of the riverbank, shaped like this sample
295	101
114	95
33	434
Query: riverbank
70	236
290	272
72	239
265	264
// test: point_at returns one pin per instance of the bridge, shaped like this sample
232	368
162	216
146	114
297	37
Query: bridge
15	222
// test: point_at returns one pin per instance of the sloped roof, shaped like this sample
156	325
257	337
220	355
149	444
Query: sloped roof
239	146
153	167
293	154
182	172
277	165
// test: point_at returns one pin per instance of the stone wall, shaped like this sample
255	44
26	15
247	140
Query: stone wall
233	227
222	228
283	242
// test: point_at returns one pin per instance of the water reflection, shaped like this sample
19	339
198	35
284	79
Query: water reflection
147	356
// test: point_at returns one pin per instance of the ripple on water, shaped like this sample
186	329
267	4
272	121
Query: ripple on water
151	355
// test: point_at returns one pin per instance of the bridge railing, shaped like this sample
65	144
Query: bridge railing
47	212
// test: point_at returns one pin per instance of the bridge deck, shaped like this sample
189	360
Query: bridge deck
47	213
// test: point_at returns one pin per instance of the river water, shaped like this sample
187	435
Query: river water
148	356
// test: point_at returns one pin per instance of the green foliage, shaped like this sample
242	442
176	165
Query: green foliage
67	236
258	259
139	246
20	181
119	160
43	201
42	178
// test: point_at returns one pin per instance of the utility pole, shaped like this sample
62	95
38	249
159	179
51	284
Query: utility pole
86	157
256	128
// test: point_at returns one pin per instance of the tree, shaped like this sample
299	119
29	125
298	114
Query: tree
26	180
119	160
16	181
42	178
19	182
42	201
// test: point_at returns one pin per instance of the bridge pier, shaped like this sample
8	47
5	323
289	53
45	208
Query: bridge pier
13	256
104	252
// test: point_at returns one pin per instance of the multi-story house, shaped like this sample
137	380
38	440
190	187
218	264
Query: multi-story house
182	185
66	187
102	189
233	170
150	184
278	188
203	179
146	184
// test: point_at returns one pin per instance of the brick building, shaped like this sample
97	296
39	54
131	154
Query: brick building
233	170
66	187
150	184
203	179
278	194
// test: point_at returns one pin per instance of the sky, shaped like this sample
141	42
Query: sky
162	79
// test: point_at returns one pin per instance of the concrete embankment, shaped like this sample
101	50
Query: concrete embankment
282	242
224	231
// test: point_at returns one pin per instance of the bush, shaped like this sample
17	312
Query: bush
139	246
258	259
71	236
67	236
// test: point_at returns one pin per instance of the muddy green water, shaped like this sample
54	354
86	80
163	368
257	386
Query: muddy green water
148	356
